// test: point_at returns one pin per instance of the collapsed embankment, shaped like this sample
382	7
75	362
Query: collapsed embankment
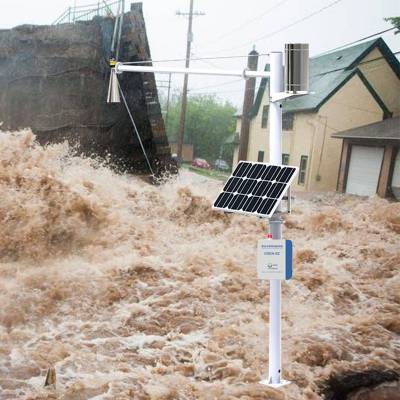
54	80
143	292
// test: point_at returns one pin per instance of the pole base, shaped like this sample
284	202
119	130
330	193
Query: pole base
282	383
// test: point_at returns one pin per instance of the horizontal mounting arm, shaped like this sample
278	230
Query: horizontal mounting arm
121	67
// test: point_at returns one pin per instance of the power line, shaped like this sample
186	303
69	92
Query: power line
313	95
286	26
206	62
233	56
239	80
192	59
264	54
357	41
245	56
220	84
360	63
246	23
221	91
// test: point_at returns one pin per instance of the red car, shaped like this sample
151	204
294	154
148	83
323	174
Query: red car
200	163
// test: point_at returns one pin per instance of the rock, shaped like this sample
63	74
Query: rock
341	386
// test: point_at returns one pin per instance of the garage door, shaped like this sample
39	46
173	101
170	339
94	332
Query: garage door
364	170
396	177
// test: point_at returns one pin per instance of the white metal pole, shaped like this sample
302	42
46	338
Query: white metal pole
275	157
125	67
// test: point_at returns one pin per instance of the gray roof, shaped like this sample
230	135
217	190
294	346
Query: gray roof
388	129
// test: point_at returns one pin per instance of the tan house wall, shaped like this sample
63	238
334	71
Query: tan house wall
259	136
352	106
383	79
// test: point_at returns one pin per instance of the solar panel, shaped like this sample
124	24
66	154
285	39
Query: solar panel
255	188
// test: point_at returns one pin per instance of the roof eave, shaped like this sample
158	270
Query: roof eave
365	137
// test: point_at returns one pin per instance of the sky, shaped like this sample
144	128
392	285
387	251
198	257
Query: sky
231	28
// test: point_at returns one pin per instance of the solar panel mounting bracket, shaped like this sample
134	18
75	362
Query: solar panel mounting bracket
289	199
256	189
285	95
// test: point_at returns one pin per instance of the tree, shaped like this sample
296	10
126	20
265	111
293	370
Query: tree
209	123
395	21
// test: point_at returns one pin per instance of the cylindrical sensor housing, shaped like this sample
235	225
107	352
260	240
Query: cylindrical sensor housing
296	67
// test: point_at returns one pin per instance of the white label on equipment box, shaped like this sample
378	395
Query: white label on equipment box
274	259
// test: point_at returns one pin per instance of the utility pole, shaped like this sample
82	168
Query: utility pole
182	119
250	87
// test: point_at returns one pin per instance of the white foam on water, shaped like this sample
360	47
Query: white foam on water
131	289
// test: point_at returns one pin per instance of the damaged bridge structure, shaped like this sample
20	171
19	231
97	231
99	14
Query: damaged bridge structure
54	80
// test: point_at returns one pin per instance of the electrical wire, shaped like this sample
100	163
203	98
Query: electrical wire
361	63
194	59
218	38
239	80
357	41
268	35
220	84
247	55
313	95
204	61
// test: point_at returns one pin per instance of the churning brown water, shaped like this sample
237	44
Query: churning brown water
133	291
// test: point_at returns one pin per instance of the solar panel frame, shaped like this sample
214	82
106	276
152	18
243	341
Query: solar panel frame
250	187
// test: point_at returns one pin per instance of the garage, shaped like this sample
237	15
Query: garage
364	169
370	160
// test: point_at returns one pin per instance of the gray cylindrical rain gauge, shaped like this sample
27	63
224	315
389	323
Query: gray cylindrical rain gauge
296	67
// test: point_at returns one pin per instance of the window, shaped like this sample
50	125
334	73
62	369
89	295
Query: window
264	117
287	121
303	170
285	159
260	157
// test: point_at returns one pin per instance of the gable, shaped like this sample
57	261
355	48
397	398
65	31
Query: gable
382	78
354	102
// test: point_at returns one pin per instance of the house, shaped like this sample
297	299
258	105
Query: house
350	88
370	160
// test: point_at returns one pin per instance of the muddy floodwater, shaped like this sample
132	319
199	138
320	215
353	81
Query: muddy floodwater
132	291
